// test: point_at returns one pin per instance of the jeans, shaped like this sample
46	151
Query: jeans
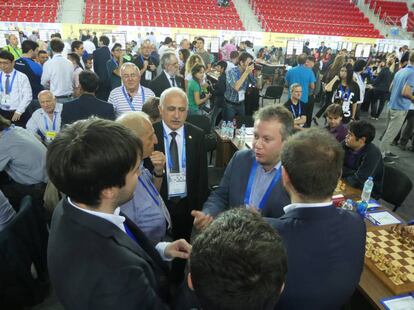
231	110
377	95
395	120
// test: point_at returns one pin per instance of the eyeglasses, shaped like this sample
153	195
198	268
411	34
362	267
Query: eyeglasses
129	76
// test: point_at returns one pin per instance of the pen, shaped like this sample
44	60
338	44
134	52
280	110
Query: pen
372	208
373	220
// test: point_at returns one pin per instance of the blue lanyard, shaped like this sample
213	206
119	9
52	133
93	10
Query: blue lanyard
167	151
269	189
11	84
152	191
53	124
293	110
343	92
114	61
130	101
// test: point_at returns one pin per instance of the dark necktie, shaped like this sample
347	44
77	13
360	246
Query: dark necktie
174	153
173	81
129	233
7	83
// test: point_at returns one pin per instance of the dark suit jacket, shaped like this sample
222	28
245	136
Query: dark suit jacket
325	248
196	170
161	83
232	189
84	107
95	265
100	57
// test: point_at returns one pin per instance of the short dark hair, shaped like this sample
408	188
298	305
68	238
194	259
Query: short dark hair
29	45
76	44
89	81
104	39
310	58
75	57
41	52
313	160
195	69
234	54
77	160
150	107
56	35
4	123
238	262
362	129
6	55
57	45
167	40
334	110
280	114
116	45
302	59
359	65
243	57
200	39
222	64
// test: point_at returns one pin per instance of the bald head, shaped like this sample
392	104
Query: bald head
140	124
47	101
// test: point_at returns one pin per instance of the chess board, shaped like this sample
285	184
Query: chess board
389	254
340	187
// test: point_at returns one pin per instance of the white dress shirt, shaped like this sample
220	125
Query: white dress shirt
294	206
179	138
40	121
57	76
118	221
169	79
21	92
89	46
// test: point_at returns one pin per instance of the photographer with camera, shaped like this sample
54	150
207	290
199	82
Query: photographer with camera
146	63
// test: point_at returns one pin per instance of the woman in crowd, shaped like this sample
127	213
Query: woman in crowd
114	64
75	59
345	92
196	96
191	62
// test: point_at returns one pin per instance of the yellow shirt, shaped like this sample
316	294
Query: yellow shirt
17	52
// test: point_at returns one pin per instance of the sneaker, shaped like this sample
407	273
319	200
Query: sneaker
388	160
391	155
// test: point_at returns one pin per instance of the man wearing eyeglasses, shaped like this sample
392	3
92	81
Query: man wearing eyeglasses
169	76
131	95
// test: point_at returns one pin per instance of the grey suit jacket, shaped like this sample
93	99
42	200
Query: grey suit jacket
233	187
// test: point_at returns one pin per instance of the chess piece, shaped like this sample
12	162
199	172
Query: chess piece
390	267
383	264
404	277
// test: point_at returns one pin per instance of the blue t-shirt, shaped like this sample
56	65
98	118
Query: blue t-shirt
403	77
302	75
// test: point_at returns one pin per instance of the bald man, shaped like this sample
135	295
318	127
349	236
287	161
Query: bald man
147	209
46	121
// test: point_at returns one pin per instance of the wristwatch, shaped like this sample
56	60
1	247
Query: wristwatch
158	175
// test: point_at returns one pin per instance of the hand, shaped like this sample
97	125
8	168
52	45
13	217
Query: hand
250	68
152	67
158	161
208	95
201	220
16	116
145	64
253	209
178	249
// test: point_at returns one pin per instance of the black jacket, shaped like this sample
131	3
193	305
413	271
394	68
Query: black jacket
161	83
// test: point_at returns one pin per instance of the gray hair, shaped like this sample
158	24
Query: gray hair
293	86
129	64
170	91
166	59
277	113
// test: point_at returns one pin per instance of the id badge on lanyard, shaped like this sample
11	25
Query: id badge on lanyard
5	101
148	75
242	94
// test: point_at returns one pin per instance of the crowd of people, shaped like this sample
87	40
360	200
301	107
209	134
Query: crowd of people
102	129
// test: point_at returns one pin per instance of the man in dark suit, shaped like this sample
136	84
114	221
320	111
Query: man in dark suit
252	178
146	63
100	57
184	187
325	245
168	77
111	263
87	104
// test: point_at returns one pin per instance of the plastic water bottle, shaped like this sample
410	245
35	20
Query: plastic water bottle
366	192
230	130
223	129
348	205
242	132
362	208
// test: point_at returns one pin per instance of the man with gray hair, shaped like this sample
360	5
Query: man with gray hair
253	176
130	96
296	106
169	76
147	209
184	184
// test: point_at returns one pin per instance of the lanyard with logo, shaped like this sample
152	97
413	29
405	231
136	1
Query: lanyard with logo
50	134
151	190
129	100
348	93
11	84
294	112
241	93
115	62
176	180
269	189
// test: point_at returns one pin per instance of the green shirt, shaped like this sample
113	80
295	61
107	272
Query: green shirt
193	87
17	52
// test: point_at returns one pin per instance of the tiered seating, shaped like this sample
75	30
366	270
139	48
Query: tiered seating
42	11
167	13
323	17
392	9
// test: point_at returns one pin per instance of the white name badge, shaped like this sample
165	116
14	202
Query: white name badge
241	95
4	101
148	75
176	184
